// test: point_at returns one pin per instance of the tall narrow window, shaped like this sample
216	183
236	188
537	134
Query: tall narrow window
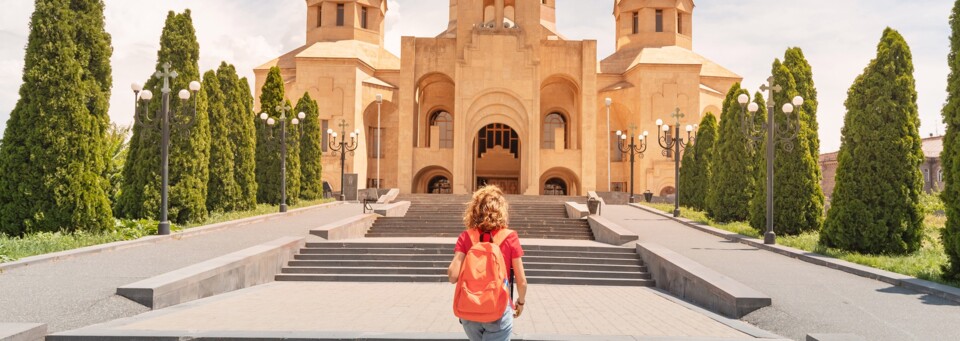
363	17
339	14
444	122
324	125
319	15
659	20
668	136
615	154
926	175
679	23
550	125
636	22
375	136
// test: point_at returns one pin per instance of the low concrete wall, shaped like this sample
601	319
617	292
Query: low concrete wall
835	337
576	210
238	270
698	284
353	227
389	197
606	231
22	331
616	198
397	209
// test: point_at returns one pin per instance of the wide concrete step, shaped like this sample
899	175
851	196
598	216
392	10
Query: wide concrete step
448	258
443	265
449	252
445	229
349	245
443	271
443	278
454	235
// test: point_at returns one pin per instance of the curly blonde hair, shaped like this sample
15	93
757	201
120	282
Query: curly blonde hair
487	210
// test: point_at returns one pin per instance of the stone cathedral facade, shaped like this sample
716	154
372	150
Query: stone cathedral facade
501	96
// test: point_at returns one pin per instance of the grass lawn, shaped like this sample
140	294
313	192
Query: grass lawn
13	248
925	263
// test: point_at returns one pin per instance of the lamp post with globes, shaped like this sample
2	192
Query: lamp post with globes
633	149
771	130
143	119
283	109
379	132
676	143
343	147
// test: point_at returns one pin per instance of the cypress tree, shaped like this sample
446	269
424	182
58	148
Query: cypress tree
798	199
689	169
732	180
52	157
268	145
950	158
698	176
189	136
239	123
875	206
311	165
222	186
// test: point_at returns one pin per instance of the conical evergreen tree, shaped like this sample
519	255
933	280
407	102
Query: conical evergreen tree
189	136
268	145
239	105
697	178
875	207
950	158
798	199
311	165
222	187
731	181
53	158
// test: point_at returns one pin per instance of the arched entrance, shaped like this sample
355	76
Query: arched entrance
497	158
555	186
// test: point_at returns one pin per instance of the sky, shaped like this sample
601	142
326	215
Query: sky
838	37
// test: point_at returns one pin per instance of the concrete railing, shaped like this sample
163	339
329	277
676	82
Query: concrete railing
353	227
606	231
698	284
576	210
389	197
238	270
23	331
397	209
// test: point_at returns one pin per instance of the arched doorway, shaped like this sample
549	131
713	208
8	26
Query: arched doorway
439	185
497	158
555	186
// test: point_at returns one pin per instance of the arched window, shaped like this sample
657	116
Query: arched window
940	175
550	125
444	121
555	186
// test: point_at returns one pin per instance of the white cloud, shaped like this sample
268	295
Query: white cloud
838	37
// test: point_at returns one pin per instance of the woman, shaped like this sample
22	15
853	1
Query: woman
487	214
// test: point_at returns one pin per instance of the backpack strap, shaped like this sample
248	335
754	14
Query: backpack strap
502	235
474	235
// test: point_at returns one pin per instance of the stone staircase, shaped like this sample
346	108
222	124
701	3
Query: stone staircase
427	262
540	217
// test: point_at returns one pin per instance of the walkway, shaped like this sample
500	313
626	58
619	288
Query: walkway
417	311
81	291
807	298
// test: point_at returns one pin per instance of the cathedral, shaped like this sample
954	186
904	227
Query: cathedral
501	96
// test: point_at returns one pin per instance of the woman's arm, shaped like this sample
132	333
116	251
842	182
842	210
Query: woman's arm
453	272
521	279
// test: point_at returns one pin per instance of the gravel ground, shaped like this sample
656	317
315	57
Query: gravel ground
78	292
807	298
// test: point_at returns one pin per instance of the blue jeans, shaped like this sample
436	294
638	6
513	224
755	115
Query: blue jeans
494	331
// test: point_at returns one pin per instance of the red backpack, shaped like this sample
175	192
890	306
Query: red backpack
482	293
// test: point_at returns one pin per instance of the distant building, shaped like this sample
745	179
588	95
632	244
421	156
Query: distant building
932	173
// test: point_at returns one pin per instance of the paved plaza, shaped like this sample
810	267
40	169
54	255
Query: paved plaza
331	308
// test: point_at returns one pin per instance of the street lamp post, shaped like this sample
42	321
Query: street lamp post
633	149
283	109
608	101
771	129
676	143
343	147
379	132
144	119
